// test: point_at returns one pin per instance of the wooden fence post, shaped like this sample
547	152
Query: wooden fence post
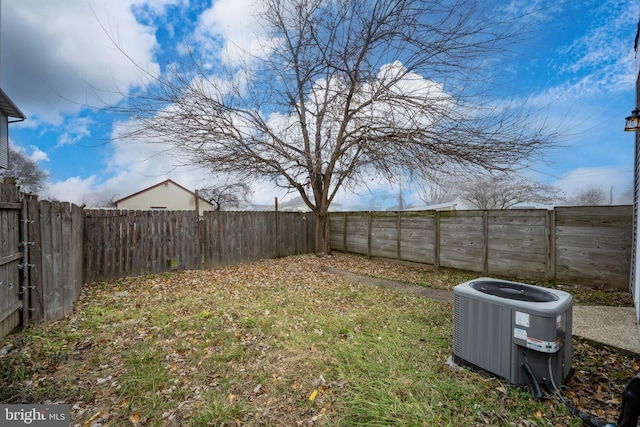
485	241
369	221
277	247
436	239
399	236
26	261
551	244
344	234
33	213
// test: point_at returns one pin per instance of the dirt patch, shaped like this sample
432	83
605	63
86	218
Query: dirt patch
440	295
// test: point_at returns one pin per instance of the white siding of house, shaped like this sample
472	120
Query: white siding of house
635	259
166	196
4	141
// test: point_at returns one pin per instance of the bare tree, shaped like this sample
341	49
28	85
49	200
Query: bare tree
27	173
101	200
438	188
349	89
505	190
591	196
227	195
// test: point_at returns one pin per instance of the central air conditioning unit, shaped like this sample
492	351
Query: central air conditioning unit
518	332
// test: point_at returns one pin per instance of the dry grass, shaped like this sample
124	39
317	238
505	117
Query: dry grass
278	342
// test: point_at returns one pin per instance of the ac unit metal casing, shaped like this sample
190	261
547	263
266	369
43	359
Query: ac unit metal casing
501	325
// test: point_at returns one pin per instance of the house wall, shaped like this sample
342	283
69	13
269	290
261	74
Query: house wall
634	282
164	197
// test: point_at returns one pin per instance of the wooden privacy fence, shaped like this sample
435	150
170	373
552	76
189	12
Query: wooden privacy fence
10	259
590	245
40	258
49	249
55	258
132	243
234	237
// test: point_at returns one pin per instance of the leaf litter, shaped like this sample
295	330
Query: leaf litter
251	345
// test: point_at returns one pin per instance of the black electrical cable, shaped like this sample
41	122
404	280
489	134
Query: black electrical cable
587	419
630	404
536	392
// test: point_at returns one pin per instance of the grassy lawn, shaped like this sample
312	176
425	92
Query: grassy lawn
278	342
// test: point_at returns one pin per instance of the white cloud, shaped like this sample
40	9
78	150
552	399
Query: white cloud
74	189
132	166
59	57
616	182
37	155
75	130
33	153
55	54
234	25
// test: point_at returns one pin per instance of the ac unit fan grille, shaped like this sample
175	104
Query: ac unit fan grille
456	324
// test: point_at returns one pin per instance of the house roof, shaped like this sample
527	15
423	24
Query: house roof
9	108
159	185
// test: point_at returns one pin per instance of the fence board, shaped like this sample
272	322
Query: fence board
357	233
126	243
131	243
416	239
10	258
68	289
56	258
295	233
337	224
55	311
518	243
594	243
46	261
589	245
234	237
33	215
462	240
384	235
77	249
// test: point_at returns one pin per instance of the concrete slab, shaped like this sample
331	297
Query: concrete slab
614	326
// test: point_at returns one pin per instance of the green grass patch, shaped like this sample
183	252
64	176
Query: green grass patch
270	343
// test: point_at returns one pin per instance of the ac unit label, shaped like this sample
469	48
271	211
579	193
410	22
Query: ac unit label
522	319
520	333
543	346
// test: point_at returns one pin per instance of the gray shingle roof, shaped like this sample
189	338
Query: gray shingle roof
9	108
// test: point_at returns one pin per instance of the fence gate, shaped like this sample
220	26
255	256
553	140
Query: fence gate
14	267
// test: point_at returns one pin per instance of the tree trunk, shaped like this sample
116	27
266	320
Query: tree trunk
323	234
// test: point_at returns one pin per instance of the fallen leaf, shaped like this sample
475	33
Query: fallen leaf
135	417
100	381
313	395
92	419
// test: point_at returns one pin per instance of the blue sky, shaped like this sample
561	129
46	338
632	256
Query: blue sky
578	65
